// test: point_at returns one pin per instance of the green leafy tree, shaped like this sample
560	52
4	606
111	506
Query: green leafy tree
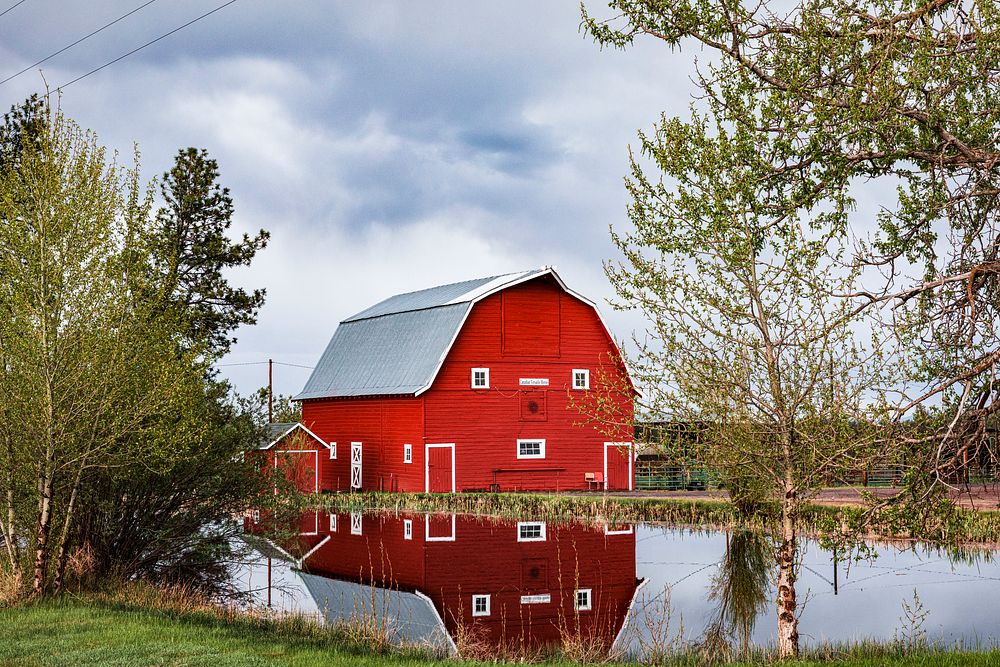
87	369
745	340
192	252
116	440
902	94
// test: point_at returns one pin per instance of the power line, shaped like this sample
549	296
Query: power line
20	2
70	46
262	363
140	48
282	363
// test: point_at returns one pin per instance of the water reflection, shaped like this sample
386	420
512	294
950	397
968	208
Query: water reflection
438	579
739	589
444	580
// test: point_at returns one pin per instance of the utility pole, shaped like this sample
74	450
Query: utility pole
270	394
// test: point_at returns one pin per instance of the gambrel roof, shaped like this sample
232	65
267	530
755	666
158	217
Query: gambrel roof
397	346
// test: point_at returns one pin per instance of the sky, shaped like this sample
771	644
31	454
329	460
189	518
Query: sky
386	146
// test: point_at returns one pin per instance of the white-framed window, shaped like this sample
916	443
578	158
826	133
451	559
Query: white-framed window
407	453
480	605
333	523
407	529
356	523
531	449
531	531
583	601
480	378
255	516
333	450
581	378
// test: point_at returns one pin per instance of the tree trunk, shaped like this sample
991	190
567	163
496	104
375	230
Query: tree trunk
788	622
63	556
13	553
43	527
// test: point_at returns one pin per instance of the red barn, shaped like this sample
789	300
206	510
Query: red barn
473	385
296	452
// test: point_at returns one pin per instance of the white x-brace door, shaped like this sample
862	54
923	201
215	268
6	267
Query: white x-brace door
355	465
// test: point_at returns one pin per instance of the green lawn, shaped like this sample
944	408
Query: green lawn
61	633
78	633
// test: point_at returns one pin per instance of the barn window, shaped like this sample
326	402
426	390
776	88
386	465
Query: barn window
356	523
407	529
333	450
531	449
333	523
583	599
530	531
407	453
480	605
581	378
480	378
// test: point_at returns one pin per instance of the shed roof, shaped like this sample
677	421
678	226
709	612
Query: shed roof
397	346
277	431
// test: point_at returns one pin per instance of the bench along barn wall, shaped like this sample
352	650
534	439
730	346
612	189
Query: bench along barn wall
542	347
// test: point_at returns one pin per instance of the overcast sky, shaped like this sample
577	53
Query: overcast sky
387	146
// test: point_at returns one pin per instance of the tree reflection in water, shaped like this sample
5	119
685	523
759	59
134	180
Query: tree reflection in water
739	591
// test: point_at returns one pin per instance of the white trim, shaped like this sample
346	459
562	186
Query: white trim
495	286
333	451
481	596
315	530
314	452
316	548
427	531
624	631
525	524
472	379
292	428
357	523
407	453
590	599
333	522
407	529
631	455
427	465
586	379
627	531
541	448
437	615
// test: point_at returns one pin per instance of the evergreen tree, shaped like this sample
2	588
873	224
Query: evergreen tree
193	252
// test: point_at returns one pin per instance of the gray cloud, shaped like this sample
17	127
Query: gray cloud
387	146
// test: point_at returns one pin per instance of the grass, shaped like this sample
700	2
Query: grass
102	631
952	525
77	632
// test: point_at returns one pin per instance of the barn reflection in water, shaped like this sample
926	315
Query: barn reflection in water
429	578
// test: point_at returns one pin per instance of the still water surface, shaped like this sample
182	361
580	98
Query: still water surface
431	578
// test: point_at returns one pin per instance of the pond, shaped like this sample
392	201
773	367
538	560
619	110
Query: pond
438	579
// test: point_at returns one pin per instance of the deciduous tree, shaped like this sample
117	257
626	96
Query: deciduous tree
902	94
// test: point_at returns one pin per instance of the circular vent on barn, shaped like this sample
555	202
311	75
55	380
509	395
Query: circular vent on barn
533	407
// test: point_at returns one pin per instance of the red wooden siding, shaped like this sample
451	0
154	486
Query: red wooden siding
532	330
530	323
383	426
485	424
471	557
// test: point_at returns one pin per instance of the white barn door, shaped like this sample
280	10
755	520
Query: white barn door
355	465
